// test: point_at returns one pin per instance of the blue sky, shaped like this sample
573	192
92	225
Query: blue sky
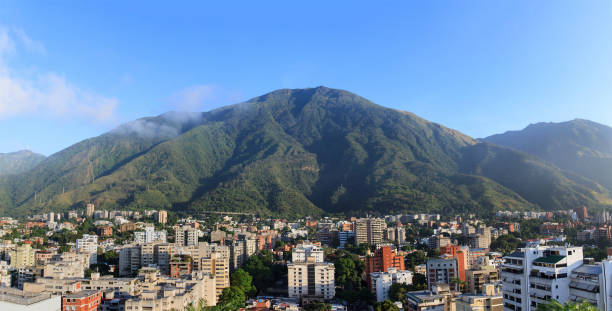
73	70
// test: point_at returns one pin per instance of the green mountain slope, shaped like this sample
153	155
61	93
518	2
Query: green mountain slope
537	181
289	152
580	146
19	162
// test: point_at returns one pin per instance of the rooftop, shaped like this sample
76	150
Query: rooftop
550	259
82	294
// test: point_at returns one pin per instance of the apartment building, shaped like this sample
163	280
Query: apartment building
311	279
87	300
217	263
150	235
305	250
88	244
185	236
535	275
382	281
441	272
489	299
23	256
133	257
309	275
162	217
369	230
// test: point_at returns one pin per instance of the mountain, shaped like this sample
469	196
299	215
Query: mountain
293	153
580	146
19	162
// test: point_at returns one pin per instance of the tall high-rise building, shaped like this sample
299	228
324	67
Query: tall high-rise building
382	260
218	264
441	271
535	275
369	230
162	217
185	236
309	275
89	210
88	244
303	251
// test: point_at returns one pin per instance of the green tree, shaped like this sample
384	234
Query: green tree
386	305
505	244
398	291
232	298
244	281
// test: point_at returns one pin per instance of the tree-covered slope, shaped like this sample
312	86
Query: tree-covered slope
539	182
289	152
19	162
581	146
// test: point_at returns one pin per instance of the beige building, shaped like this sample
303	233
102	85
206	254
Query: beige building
174	294
162	217
23	256
185	236
490	299
217	264
63	270
370	230
480	275
311	279
89	210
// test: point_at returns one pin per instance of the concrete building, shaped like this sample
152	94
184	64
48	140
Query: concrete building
369	230
303	251
89	210
23	256
17	300
441	272
309	275
382	281
185	236
162	217
535	275
163	294
311	279
88	244
87	300
489	299
441	298
150	235
218	264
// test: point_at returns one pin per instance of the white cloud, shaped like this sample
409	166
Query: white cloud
44	93
203	97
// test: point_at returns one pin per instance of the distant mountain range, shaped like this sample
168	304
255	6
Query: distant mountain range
310	151
19	162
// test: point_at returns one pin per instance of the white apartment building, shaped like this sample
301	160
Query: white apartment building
311	279
535	275
305	250
150	236
382	281
88	244
308	274
185	236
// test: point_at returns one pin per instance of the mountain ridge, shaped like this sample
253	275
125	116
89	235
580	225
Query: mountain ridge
292	152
